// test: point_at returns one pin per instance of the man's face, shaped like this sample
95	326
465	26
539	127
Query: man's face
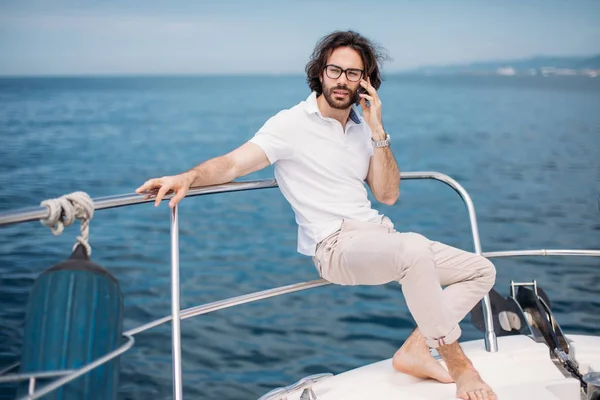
340	93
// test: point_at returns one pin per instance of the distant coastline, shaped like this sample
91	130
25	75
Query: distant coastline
544	66
537	66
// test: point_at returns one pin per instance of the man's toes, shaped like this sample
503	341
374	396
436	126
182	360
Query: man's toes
463	395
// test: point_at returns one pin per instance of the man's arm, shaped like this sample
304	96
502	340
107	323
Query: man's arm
242	161
384	176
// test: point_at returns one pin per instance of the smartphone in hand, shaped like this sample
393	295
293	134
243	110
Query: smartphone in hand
359	91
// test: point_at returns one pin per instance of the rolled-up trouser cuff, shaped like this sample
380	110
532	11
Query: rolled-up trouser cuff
451	337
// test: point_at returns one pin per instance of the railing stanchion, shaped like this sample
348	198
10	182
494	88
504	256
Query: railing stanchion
491	341
31	385
175	311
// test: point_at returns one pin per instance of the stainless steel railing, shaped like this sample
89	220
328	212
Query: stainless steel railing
37	213
177	315
175	311
101	203
66	376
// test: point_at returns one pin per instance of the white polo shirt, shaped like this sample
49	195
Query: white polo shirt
320	167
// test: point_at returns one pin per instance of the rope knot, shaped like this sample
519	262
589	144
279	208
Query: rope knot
64	210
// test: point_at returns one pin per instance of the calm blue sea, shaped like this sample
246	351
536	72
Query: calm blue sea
526	149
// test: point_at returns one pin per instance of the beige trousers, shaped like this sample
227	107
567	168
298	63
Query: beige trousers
363	253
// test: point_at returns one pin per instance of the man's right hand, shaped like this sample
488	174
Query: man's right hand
180	184
244	160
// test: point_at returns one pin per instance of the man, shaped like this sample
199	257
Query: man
323	153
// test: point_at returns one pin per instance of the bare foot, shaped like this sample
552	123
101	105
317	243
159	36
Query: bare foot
420	365
470	386
413	358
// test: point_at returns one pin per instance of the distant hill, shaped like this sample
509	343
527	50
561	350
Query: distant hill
518	65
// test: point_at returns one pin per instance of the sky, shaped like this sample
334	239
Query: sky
140	37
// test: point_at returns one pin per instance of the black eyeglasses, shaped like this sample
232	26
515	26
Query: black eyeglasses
334	72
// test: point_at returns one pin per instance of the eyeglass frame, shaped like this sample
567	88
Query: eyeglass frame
345	71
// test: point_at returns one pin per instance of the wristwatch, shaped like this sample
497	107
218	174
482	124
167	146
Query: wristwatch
382	143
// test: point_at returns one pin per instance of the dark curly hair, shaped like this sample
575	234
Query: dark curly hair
372	56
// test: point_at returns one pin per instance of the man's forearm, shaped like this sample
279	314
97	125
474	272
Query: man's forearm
212	172
385	175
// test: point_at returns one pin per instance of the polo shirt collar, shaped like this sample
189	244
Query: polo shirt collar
313	108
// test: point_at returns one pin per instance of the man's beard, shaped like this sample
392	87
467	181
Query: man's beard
339	104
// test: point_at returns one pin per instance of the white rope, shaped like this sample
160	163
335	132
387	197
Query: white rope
63	211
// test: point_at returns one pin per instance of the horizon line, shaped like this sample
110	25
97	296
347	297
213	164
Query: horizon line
398	71
167	75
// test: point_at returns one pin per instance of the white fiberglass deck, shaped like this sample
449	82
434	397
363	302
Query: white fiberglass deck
521	369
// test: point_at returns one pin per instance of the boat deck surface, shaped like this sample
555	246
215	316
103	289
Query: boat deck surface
521	369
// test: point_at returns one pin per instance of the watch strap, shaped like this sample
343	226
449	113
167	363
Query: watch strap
382	143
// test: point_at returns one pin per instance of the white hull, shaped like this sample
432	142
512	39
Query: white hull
521	369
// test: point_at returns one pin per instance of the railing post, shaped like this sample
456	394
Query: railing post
31	385
491	341
175	310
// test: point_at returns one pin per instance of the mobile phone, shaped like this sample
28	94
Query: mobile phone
360	91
